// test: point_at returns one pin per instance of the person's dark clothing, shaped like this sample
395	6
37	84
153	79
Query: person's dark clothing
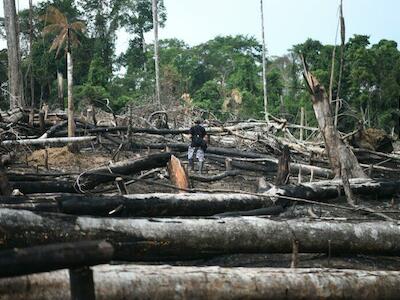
198	133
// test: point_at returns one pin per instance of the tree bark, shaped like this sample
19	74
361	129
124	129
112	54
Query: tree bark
167	282
157	239
60	89
54	257
342	159
127	167
282	176
14	67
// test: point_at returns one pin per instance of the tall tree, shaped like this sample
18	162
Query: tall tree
264	63
14	68
156	55
32	88
65	35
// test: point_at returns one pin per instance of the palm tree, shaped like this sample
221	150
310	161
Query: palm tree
66	35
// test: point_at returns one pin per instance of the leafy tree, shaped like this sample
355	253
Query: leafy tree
66	35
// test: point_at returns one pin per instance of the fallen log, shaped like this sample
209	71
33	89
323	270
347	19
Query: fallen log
216	177
199	204
136	205
48	141
167	282
12	116
54	257
228	152
44	186
330	189
158	239
107	173
50	132
210	130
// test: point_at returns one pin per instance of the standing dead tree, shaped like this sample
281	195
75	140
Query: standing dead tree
14	68
343	161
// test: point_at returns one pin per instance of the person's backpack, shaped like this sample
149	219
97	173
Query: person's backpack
197	141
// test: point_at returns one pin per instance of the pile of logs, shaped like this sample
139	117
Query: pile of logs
146	208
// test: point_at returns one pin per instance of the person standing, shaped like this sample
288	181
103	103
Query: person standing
198	145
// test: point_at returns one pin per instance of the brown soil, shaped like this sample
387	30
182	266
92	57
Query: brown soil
63	158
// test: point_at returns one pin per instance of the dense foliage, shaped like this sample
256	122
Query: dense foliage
222	75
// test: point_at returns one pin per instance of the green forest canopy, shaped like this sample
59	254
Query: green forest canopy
222	75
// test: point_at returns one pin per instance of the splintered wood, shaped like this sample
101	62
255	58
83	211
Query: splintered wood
178	174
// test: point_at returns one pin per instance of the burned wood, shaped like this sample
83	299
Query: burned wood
152	239
47	186
137	205
229	152
46	258
216	177
95	176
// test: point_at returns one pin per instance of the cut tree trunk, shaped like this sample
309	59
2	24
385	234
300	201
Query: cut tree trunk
99	175
54	257
209	283
158	239
177	174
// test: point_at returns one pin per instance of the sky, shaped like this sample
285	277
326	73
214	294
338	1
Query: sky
287	22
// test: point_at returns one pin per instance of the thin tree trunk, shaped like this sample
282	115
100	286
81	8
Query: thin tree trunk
60	89
71	122
14	67
156	55
342	48
144	51
32	86
264	62
210	283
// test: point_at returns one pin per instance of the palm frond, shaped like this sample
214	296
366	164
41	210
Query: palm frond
78	26
53	28
54	16
59	41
